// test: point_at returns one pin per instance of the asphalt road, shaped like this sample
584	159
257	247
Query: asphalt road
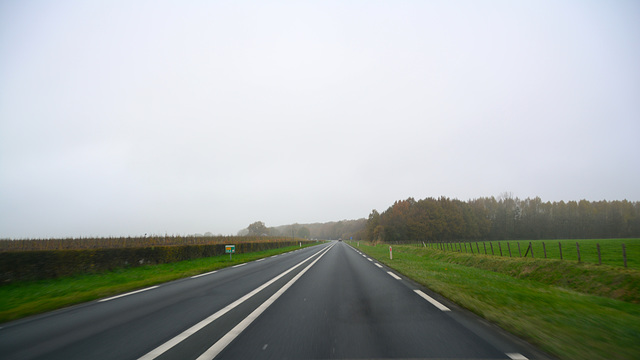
323	302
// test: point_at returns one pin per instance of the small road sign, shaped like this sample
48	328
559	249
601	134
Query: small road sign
229	249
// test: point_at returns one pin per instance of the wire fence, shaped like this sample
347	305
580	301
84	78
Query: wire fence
609	252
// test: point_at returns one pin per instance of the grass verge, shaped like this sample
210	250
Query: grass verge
564	322
21	299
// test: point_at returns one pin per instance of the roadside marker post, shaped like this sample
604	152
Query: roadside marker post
390	253
230	249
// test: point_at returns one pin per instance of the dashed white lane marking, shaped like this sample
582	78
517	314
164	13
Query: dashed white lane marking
369	259
394	275
127	294
516	356
432	301
378	265
205	274
259	260
243	264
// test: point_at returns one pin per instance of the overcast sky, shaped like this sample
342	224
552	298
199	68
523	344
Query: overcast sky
133	117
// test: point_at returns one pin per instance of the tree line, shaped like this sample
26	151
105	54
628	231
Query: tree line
503	218
333	230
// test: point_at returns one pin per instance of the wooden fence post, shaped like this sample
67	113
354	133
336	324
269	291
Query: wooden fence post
485	247
599	257
544	248
519	251
500	247
624	255
471	248
578	248
509	247
560	247
477	247
491	244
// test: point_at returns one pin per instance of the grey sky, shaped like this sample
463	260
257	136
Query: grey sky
133	117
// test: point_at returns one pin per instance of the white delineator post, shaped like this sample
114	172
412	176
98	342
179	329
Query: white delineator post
390	253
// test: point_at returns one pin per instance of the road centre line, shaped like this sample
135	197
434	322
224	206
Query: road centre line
432	300
216	348
129	293
205	274
197	327
394	275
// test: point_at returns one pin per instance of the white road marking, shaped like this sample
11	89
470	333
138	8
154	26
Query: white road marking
127	294
259	260
432	301
243	264
216	348
195	328
394	275
205	274
378	265
369	259
516	356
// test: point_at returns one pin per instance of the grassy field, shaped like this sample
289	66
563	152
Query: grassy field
25	298
610	250
569	323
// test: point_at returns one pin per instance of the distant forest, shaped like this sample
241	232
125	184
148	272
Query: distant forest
333	230
501	219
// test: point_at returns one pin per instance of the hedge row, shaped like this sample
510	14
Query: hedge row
35	265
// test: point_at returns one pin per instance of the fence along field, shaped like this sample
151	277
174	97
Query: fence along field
613	252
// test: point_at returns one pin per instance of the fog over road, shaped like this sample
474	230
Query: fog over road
323	302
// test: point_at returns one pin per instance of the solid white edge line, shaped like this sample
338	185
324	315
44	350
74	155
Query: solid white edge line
130	293
216	348
432	301
197	327
516	356
394	275
378	265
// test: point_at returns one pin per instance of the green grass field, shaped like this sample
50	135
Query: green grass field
610	250
568	323
26	298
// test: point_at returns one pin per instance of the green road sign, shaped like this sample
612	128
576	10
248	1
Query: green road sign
229	249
